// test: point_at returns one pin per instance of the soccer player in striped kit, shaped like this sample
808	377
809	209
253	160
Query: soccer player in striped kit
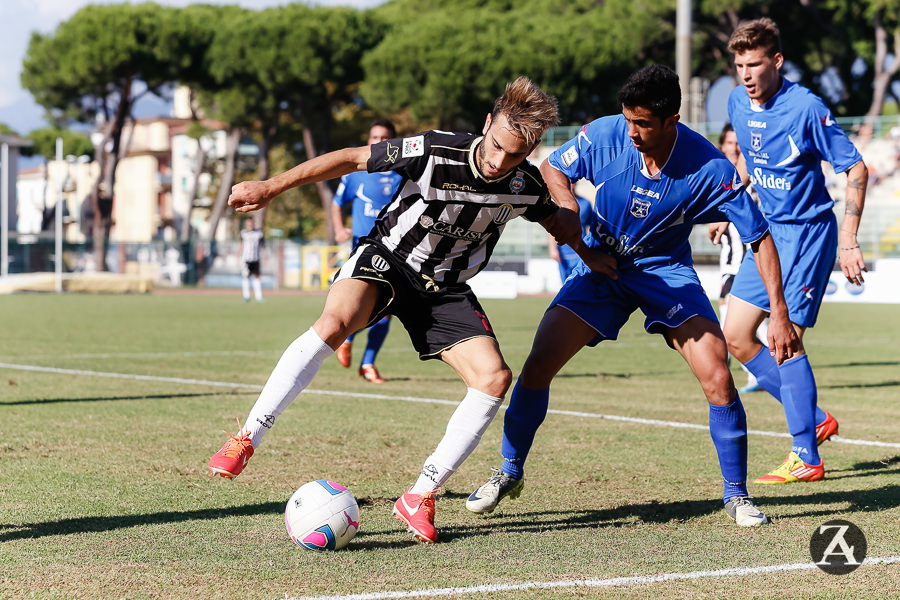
458	192
251	240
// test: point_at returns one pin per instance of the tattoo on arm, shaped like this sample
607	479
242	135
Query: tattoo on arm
857	185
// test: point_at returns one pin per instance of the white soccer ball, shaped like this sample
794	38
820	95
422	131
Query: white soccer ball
322	515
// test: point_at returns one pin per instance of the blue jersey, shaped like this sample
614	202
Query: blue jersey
784	142
646	220
369	193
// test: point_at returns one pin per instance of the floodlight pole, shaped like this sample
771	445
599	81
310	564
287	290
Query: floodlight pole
4	210
683	55
59	215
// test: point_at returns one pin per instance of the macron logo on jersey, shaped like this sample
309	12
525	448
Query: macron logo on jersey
733	185
583	134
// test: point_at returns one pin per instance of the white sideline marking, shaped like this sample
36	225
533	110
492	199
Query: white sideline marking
589	583
569	413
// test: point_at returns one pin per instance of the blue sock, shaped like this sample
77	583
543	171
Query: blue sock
525	413
377	333
728	429
798	395
765	369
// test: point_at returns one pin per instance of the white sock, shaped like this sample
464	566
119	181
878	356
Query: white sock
464	430
245	287
257	289
294	371
762	332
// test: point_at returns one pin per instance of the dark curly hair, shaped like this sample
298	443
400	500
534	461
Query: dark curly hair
654	87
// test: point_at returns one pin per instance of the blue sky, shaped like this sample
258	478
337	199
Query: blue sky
18	18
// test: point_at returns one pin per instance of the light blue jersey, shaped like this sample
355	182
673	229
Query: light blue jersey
568	258
646	220
784	142
369	193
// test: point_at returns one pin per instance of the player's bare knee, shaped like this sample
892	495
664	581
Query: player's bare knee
718	385
740	348
332	329
494	382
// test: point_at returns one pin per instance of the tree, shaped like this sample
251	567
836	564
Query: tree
309	62
75	144
87	71
447	64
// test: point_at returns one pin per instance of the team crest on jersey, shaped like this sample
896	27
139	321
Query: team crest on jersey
640	208
413	146
756	140
569	156
380	264
504	214
517	183
426	221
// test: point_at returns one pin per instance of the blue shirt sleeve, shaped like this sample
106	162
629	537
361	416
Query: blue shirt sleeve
575	158
829	141
342	196
719	195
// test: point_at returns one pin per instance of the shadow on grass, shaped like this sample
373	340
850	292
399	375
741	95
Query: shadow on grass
98	524
851	365
851	386
116	398
870	468
880	499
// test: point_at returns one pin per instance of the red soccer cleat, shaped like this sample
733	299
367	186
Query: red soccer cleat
371	374
826	428
418	514
343	354
793	470
231	459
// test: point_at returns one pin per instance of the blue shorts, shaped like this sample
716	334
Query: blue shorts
807	253
668	295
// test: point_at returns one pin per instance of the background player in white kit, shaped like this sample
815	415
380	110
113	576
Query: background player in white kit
251	241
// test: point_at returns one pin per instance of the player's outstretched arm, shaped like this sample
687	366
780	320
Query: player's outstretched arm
253	195
849	253
783	340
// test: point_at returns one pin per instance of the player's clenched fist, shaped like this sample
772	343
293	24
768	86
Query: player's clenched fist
247	196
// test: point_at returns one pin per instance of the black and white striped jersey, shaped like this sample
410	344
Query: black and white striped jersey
445	219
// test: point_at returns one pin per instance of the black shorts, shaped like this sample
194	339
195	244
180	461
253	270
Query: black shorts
727	281
251	268
435	319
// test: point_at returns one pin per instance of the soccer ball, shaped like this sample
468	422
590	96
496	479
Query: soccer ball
322	515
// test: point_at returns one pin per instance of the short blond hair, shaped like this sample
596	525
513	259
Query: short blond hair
529	110
750	35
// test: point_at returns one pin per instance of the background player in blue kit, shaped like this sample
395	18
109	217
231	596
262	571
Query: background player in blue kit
654	178
785	131
368	193
564	254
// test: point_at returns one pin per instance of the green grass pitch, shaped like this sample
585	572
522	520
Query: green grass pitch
104	491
